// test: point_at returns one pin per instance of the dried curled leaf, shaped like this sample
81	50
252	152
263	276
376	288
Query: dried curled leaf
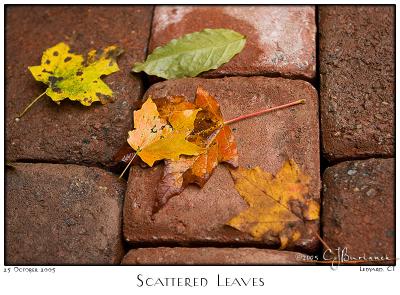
154	138
69	77
278	205
210	133
192	54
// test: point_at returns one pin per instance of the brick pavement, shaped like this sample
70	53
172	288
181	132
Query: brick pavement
199	215
71	212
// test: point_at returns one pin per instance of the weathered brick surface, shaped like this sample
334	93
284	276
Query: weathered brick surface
204	256
358	207
199	215
71	132
280	39
62	214
357	80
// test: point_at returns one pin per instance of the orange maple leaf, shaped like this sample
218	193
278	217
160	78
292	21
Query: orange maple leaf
209	132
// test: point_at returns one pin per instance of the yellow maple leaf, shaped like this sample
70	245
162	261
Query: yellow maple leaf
68	76
277	204
155	138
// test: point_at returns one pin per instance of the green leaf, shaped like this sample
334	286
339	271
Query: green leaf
192	54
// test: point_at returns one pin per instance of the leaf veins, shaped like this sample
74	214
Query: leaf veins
278	205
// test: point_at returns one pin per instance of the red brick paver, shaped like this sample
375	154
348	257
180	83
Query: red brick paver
199	215
71	133
357	81
280	39
62	214
358	207
209	255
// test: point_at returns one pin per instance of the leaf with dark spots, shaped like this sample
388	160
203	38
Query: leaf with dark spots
68	77
53	80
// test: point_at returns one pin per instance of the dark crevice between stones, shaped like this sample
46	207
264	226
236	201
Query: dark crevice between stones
317	84
267	75
323	162
145	81
144	78
151	80
356	158
97	165
145	85
173	244
150	30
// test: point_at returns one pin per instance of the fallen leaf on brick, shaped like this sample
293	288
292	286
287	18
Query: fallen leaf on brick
192	138
69	76
192	54
156	137
278	205
219	145
165	106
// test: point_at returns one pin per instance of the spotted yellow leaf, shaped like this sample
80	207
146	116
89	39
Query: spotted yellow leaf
69	76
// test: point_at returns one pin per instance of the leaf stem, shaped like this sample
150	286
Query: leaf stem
323	242
28	107
130	162
242	117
